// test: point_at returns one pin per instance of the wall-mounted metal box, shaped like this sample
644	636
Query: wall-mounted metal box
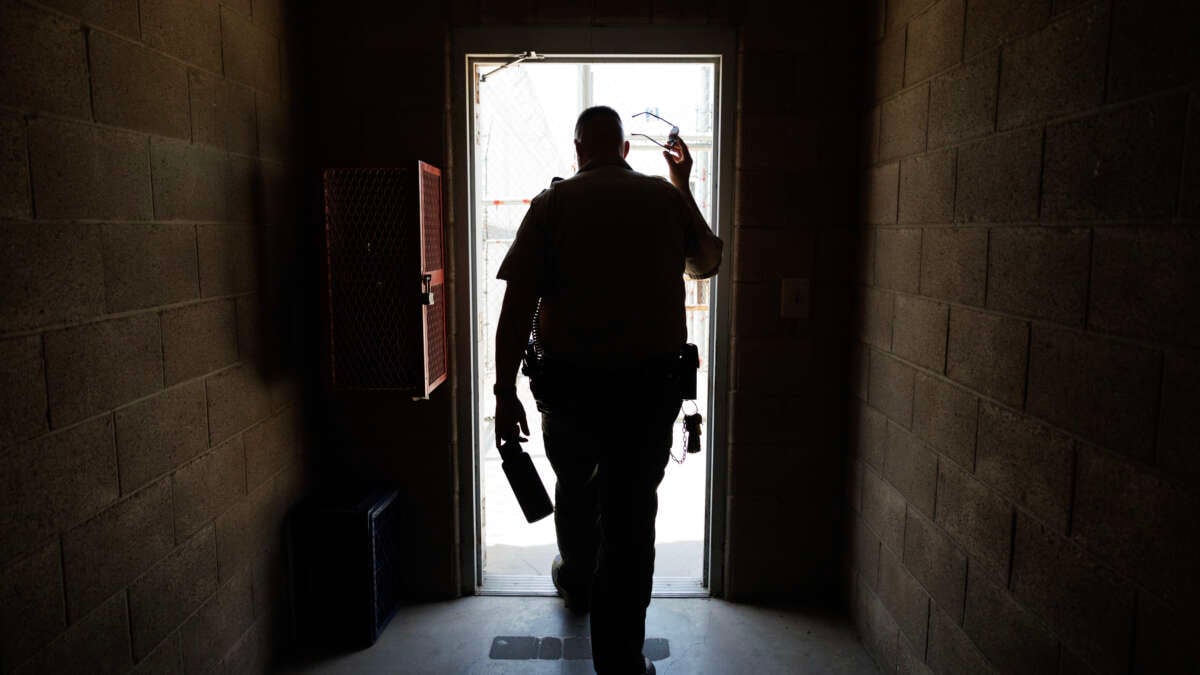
386	285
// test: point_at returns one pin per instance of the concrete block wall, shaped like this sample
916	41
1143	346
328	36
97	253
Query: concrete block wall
1024	483
146	457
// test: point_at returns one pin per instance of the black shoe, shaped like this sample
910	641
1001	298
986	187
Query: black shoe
577	602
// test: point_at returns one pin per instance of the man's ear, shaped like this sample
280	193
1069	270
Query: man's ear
625	150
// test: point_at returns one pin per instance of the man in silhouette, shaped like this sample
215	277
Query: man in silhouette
600	259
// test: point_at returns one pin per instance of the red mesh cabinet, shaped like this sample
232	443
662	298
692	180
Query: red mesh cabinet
387	299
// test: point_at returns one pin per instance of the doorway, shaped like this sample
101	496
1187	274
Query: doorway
519	130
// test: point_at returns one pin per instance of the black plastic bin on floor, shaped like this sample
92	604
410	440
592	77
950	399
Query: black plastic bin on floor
345	553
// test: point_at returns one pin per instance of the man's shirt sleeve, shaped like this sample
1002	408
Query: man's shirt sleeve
702	248
526	258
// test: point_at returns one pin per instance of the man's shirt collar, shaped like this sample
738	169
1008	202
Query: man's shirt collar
597	163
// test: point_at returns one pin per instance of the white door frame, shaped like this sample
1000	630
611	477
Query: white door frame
592	43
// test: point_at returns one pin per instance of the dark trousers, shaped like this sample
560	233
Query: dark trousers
609	449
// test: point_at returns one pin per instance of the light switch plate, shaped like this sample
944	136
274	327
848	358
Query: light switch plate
794	299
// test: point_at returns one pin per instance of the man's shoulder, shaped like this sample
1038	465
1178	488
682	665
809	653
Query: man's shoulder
616	176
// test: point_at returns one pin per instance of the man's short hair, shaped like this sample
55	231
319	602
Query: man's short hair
600	114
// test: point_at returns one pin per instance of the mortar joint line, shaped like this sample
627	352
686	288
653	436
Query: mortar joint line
86	30
1158	406
1073	486
1087	288
1012	547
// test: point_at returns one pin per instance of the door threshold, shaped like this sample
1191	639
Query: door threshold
538	585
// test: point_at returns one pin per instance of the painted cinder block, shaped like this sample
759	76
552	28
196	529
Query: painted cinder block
199	339
767	81
188	30
53	272
15	199
207	486
1007	634
993	22
1163	639
32	612
98	642
1144	282
106	553
954	264
223	113
869	427
1153	47
99	366
85	172
883	510
880	632
22	390
951	650
962	102
920	331
1085	604
160	433
887	71
771	364
166	658
1056	71
236	400
900	11
1026	462
148	264
136	88
911	467
245	190
274	124
1101	389
865	553
249	55
45	62
988	353
997	178
946	417
891	388
119	16
1176	427
903	122
166	594
904	598
934	559
245	529
189	181
253	652
1189	206
1120	163
210	633
935	40
228	263
1039	272
875	326
1137	522
54	482
772	254
927	188
270	446
977	518
898	259
883	185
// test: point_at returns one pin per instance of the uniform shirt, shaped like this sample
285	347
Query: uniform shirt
607	250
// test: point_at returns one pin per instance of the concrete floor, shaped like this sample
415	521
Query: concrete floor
704	636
